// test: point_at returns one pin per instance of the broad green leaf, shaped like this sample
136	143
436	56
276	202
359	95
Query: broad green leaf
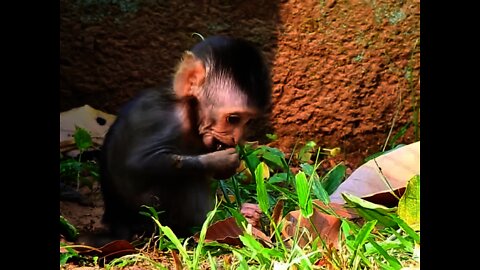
334	178
252	244
303	192
309	170
371	211
373	214
319	192
317	187
239	218
305	153
357	201
252	160
262	195
277	178
272	150
274	159
83	140
67	255
409	204
72	232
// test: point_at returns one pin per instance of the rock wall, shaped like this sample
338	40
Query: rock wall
345	73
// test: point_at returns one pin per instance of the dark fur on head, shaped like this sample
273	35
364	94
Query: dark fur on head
239	60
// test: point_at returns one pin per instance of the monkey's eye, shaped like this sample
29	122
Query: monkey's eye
233	119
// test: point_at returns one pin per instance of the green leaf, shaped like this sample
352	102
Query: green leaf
319	192
373	214
399	134
69	166
173	238
252	244
243	265
72	232
357	201
252	161
278	178
303	192
309	170
213	264
305	153
272	137
361	238
83	140
334	178
409	204
371	211
407	244
274	159
201	239
394	263
262	196
67	255
411	232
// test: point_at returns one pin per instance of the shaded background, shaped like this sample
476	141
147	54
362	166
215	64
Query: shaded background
345	73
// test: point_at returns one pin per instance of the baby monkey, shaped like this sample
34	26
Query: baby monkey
167	145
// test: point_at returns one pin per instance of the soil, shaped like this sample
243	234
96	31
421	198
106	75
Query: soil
345	72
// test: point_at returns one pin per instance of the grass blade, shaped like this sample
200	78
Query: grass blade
360	239
303	192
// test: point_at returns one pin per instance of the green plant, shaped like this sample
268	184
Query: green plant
380	239
77	170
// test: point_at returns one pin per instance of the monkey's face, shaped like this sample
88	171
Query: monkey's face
225	127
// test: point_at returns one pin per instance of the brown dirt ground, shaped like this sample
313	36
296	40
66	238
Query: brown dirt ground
343	70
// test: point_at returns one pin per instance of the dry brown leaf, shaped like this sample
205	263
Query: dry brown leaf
176	260
228	232
327	227
397	166
277	213
112	250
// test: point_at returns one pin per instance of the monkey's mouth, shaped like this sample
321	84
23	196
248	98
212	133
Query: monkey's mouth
219	145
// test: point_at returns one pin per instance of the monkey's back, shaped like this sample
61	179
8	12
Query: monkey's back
146	128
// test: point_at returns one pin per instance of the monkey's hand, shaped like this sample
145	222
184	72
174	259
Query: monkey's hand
222	164
252	214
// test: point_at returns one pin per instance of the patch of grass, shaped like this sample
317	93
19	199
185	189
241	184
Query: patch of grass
380	239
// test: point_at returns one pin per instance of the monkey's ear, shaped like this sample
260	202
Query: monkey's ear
189	76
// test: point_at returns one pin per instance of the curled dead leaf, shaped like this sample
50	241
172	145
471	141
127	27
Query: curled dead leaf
387	173
325	226
110	251
227	231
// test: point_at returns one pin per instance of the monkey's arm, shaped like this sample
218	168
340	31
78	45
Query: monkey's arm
157	153
157	156
157	145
